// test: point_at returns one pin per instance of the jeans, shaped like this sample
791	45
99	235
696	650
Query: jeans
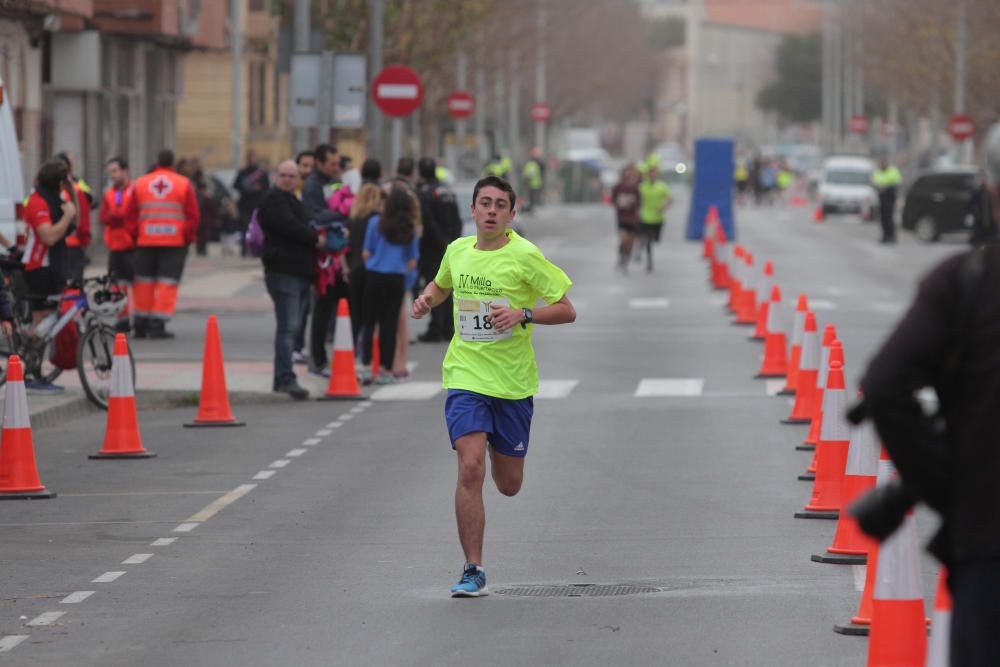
290	294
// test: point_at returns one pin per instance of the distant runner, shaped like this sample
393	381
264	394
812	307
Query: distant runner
490	371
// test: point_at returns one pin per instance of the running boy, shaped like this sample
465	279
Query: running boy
489	370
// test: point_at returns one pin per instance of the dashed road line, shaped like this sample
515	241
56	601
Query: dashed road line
652	387
265	474
137	559
163	542
10	641
76	597
648	303
47	618
332	425
186	527
309	442
296	452
555	388
406	391
219	504
357	409
346	417
323	432
107	577
280	463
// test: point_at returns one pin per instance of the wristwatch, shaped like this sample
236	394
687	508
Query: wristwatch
528	317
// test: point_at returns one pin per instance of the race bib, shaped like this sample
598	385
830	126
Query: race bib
474	320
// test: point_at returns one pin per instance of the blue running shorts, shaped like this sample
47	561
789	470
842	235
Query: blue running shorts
506	423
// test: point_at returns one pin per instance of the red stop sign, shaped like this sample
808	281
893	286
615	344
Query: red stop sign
961	127
461	104
397	91
858	124
541	112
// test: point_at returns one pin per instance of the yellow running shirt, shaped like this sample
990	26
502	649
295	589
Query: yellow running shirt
653	196
479	359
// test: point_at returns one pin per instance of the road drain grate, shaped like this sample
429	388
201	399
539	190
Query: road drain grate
577	590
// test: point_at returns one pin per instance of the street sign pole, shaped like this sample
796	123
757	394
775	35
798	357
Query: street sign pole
300	40
376	144
325	101
540	73
397	141
457	153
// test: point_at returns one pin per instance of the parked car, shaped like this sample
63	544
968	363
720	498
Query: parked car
939	203
845	186
11	177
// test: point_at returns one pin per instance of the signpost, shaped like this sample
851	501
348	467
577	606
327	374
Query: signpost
461	104
398	92
858	124
327	90
541	112
961	127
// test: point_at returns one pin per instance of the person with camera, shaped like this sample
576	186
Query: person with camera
949	340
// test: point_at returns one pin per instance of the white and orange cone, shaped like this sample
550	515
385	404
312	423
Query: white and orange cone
938	653
775	362
795	346
18	472
121	435
807	377
343	384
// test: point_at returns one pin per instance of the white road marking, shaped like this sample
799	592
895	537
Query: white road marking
822	304
296	452
76	597
265	474
186	527
280	463
217	505
336	424
345	417
886	307
137	559
10	641
773	387
407	391
859	572
309	442
332	425
648	303
357	410
555	388
323	432
163	542
47	618
368	404
107	577
649	387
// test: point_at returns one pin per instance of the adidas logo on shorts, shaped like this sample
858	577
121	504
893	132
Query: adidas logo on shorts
520	447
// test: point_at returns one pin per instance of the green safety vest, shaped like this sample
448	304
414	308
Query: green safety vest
886	178
532	175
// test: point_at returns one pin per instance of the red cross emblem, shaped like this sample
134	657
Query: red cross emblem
161	186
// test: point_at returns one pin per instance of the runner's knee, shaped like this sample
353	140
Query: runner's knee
509	487
471	471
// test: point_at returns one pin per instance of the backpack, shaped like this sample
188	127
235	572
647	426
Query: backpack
254	236
64	347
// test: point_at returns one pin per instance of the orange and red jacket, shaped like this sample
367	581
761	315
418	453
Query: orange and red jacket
163	209
118	234
81	236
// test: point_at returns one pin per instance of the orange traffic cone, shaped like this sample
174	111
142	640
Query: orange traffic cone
736	266
343	379
806	395
746	306
764	284
121	435
708	249
818	214
831	450
850	545
213	409
18	472
775	364
376	354
898	636
938	653
816	419
795	351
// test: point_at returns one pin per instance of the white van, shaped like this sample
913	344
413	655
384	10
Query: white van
845	186
11	178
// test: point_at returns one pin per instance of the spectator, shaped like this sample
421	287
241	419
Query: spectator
371	171
251	183
289	268
367	206
78	240
306	162
442	224
391	250
404	173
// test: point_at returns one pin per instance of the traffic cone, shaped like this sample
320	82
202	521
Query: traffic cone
806	394
795	351
831	450
213	408
938	654
775	364
766	280
850	545
809	444
898	635
121	435
343	379
18	472
746	307
376	354
736	266
860	622
818	214
707	246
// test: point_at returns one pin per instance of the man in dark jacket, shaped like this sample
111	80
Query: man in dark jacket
442	224
950	340
289	269
321	183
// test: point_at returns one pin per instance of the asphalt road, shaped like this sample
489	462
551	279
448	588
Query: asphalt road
323	533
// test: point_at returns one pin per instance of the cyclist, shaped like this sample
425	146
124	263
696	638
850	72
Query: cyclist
489	370
50	218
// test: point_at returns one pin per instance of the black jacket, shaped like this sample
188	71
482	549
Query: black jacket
314	196
950	340
289	242
442	224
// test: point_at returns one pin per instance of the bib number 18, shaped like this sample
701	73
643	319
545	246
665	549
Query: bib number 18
475	320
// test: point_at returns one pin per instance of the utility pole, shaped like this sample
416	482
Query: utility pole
236	44
827	76
960	147
300	44
540	65
461	81
376	142
514	97
837	88
480	112
498	100
324	100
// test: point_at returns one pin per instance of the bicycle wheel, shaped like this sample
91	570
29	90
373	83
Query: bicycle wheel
36	357
94	357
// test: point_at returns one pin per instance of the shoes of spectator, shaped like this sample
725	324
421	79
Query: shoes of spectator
294	389
300	357
365	375
41	387
323	372
401	375
384	377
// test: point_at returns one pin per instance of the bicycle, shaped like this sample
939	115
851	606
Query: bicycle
95	349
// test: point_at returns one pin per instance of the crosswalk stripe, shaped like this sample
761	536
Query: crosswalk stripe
648	303
555	388
654	387
407	391
822	304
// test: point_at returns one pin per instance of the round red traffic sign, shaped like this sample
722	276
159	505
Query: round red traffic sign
961	127
541	112
858	124
461	104
397	91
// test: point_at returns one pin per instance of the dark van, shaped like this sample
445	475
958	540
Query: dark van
940	203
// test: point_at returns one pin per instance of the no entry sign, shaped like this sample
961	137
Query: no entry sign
397	91
541	112
461	104
961	127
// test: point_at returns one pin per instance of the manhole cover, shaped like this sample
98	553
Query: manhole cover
577	590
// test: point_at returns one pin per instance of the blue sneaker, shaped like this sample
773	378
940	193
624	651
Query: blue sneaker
43	387
472	584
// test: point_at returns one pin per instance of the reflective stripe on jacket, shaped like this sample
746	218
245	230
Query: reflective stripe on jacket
164	209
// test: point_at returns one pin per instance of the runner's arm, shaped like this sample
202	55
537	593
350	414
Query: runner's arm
560	312
432	296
